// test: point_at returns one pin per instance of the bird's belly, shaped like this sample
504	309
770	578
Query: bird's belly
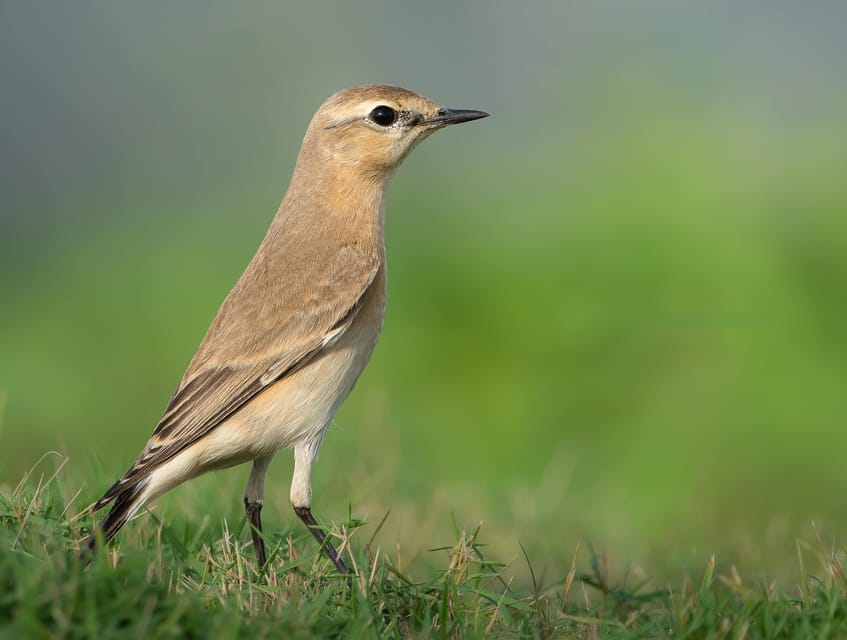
299	407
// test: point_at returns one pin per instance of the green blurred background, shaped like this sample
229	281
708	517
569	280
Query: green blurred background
616	308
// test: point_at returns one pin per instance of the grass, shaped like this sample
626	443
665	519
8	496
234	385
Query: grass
162	581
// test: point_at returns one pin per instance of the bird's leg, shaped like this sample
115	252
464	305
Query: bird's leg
254	517
305	514
254	498
301	498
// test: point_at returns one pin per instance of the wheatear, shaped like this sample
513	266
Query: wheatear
300	325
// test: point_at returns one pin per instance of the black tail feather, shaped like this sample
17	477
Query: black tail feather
124	501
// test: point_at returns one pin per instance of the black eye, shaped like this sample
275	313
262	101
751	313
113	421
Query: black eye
383	115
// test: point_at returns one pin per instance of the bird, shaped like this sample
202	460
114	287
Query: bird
295	332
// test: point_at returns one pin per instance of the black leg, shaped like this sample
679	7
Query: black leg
254	518
305	514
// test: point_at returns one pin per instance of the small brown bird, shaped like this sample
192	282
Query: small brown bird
293	335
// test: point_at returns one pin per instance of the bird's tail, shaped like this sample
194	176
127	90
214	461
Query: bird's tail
126	499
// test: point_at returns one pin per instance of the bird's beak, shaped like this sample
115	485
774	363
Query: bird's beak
445	116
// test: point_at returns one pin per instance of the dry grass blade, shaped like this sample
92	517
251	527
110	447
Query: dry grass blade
569	579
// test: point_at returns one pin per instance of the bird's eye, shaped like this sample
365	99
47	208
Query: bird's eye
383	115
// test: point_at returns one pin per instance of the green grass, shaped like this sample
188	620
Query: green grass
198	579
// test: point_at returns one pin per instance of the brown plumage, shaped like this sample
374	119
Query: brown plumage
299	326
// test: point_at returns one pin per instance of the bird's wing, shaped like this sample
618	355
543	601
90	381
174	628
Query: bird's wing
270	325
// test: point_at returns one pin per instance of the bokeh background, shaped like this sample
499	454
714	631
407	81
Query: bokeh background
617	307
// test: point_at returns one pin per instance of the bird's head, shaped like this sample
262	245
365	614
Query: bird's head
372	128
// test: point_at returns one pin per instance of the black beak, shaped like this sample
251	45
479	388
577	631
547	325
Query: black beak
446	116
